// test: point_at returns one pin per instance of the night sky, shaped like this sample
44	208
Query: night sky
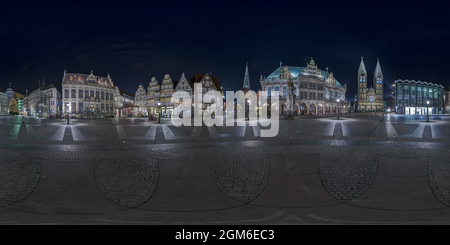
136	40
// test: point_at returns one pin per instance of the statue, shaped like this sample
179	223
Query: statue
290	99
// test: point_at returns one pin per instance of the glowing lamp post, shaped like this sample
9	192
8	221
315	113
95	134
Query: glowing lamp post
159	112
68	113
338	108
428	116
248	103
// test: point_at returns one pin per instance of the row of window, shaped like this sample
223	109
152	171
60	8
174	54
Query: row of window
328	94
420	102
319	96
312	95
163	103
73	108
88	94
362	80
317	86
406	90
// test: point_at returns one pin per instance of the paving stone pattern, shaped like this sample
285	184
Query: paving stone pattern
128	174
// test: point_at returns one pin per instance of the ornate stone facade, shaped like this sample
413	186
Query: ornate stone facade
153	93
87	96
140	102
316	91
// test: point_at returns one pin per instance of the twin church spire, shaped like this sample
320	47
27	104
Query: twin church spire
370	99
378	72
362	69
362	72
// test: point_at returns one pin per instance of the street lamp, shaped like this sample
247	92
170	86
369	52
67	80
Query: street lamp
248	111
68	113
337	109
428	116
159	112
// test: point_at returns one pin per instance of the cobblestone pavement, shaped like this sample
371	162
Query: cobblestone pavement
127	155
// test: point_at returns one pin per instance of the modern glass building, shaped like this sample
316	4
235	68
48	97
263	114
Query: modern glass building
416	97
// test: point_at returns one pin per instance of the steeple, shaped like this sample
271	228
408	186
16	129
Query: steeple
362	69
378	72
246	78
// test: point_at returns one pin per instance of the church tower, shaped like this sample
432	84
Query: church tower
378	83
362	83
246	78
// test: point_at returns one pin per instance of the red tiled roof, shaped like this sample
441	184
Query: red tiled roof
123	92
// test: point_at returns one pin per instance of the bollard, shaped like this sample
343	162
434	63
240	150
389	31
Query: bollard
113	120
382	117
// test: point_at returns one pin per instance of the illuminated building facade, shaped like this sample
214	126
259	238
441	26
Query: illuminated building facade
42	101
183	86
3	102
316	91
370	99
87	96
412	97
140	102
209	83
123	102
153	92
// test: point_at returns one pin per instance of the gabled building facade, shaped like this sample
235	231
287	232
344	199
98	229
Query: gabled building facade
166	96
153	92
183	85
140	102
209	83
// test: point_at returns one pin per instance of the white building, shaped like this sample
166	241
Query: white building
42	101
87	96
140	102
3	102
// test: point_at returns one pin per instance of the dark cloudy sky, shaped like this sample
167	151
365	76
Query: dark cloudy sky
136	40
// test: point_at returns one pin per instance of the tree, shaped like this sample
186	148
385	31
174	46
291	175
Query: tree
14	107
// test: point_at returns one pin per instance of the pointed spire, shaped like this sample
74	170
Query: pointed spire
362	68
246	78
378	71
